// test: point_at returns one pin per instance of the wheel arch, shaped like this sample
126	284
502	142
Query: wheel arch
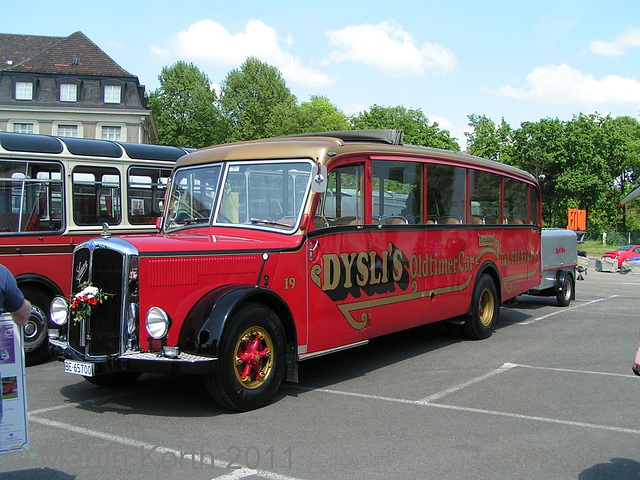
40	282
206	323
562	277
487	268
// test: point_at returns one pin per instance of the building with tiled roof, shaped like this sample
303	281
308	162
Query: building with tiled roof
67	86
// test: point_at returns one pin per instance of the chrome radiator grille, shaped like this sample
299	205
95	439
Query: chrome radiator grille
101	334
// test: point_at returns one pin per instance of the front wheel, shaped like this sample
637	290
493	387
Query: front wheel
36	343
251	359
485	309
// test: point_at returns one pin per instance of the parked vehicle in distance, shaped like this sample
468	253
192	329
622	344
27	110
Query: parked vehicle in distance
559	249
623	253
56	192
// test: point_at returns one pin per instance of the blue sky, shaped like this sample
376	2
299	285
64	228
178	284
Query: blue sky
521	61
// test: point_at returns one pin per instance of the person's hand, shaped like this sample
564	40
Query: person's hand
636	363
21	317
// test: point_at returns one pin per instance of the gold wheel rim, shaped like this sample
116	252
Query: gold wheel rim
253	357
486	307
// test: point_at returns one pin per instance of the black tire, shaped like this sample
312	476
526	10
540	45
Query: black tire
36	341
564	295
249	380
112	380
485	310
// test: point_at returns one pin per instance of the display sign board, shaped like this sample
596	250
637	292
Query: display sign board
13	401
577	220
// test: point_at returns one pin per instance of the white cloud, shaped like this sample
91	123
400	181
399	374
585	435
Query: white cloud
562	84
389	48
209	42
619	46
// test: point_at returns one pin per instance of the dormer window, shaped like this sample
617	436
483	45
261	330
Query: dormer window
24	91
68	92
112	94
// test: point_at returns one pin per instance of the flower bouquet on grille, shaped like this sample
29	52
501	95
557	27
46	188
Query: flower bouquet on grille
84	301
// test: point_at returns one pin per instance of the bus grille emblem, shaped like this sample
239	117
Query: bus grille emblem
81	269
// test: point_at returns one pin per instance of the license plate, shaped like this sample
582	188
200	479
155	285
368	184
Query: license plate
79	368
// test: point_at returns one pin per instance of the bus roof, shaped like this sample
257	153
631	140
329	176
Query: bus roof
33	143
324	146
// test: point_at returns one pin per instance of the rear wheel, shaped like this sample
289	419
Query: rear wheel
565	294
251	359
485	310
36	344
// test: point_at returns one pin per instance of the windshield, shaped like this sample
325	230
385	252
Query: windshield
268	195
193	193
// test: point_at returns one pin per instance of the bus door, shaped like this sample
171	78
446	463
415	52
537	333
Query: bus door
518	262
396	287
338	263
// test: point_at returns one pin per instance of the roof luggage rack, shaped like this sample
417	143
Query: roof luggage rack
391	137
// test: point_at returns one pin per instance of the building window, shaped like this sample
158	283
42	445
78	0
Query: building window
112	93
23	128
24	91
68	92
68	131
111	133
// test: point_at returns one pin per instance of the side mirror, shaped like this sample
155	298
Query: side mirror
319	178
159	223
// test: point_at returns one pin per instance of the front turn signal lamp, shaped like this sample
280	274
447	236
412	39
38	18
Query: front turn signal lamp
59	309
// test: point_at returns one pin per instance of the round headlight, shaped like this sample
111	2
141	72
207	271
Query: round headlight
157	322
59	308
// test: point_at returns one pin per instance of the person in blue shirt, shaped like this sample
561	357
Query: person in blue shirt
11	298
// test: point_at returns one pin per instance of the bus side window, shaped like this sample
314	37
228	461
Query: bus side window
341	203
29	193
397	193
515	201
96	196
146	188
446	194
485	197
534	205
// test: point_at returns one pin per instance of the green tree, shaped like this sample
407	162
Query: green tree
320	115
257	103
413	123
488	140
184	107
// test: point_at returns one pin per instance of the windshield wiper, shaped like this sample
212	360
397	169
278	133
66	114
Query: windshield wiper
193	221
270	222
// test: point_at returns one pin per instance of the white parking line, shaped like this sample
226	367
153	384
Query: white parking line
439	395
564	310
429	401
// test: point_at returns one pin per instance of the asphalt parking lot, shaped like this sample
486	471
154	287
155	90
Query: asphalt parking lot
550	395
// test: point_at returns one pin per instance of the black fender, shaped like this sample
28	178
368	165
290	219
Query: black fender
39	281
205	324
562	278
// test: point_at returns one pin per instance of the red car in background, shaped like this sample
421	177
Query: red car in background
624	252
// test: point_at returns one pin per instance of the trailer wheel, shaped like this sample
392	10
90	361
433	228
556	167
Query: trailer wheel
252	359
485	310
565	294
36	341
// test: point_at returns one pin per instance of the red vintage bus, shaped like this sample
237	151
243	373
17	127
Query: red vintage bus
279	250
57	192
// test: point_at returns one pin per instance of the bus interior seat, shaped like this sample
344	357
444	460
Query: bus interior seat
392	220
